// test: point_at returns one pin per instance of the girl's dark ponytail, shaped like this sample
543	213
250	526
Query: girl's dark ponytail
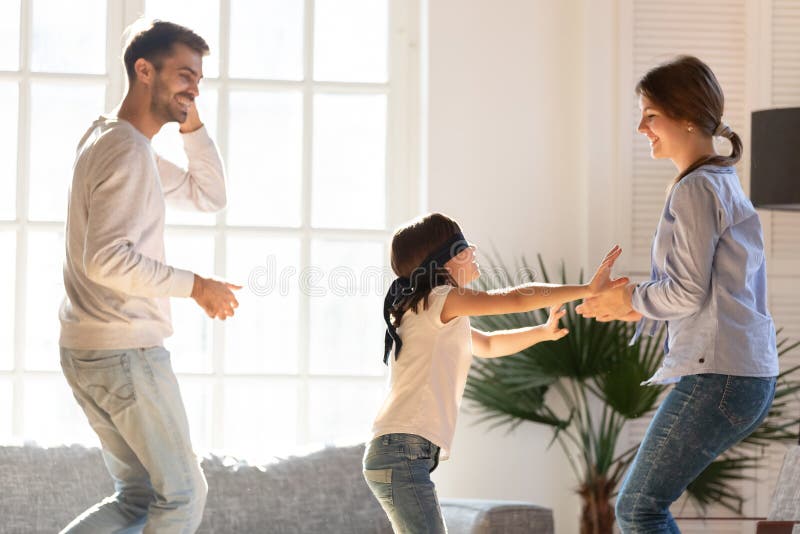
423	283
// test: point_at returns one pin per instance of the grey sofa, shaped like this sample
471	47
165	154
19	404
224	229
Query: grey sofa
42	489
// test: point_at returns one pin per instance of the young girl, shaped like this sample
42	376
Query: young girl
709	283
427	314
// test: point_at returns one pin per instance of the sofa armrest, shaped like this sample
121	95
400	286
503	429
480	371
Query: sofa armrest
475	516
776	527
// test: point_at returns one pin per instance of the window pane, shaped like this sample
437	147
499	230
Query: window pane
265	158
262	336
351	40
197	397
6	409
51	415
43	296
342	411
191	342
346	325
201	16
9	35
169	144
9	110
267	39
56	129
8	268
349	161
260	418
69	36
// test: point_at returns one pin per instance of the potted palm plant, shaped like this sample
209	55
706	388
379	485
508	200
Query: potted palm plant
586	386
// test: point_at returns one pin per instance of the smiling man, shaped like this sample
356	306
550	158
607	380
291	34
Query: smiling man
116	312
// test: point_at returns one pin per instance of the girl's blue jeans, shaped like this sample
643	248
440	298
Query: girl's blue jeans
397	468
702	417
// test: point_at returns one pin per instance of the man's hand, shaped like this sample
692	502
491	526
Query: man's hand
192	122
215	297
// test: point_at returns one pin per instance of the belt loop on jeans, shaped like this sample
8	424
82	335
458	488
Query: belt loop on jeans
385	439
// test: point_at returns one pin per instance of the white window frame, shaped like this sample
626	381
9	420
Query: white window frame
402	179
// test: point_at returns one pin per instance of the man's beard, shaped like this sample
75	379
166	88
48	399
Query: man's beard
163	107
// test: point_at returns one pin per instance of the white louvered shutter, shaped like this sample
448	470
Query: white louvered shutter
662	30
785	53
784	245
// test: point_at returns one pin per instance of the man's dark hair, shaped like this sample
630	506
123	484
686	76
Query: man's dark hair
154	40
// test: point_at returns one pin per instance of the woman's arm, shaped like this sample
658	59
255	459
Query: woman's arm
506	342
631	316
698	221
467	302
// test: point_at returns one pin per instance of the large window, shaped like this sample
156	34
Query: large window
309	103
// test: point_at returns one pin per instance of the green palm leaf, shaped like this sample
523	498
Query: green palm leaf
715	485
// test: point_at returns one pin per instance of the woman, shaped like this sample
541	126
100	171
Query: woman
709	284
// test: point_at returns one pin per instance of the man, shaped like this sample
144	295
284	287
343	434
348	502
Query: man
116	313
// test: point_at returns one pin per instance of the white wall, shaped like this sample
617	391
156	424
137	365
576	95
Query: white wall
505	155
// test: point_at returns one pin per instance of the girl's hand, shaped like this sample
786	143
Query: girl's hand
551	329
601	281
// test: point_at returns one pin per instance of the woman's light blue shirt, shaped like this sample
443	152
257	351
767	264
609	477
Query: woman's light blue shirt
709	281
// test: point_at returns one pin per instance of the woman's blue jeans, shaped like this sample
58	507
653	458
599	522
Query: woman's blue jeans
397	468
702	417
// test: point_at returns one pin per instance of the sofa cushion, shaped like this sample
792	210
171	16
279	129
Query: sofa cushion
45	488
469	516
321	492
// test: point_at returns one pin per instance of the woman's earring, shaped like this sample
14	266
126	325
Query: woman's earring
690	129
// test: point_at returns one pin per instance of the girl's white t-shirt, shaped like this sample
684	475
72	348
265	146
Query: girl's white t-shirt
427	380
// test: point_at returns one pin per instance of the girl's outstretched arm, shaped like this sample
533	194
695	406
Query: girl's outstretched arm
506	342
463	301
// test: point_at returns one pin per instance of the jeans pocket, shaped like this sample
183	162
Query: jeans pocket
380	483
107	380
744	399
419	451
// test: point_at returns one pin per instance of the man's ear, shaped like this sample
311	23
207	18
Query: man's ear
145	71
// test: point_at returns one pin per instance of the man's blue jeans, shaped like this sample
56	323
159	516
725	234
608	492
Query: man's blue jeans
702	417
398	469
132	401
